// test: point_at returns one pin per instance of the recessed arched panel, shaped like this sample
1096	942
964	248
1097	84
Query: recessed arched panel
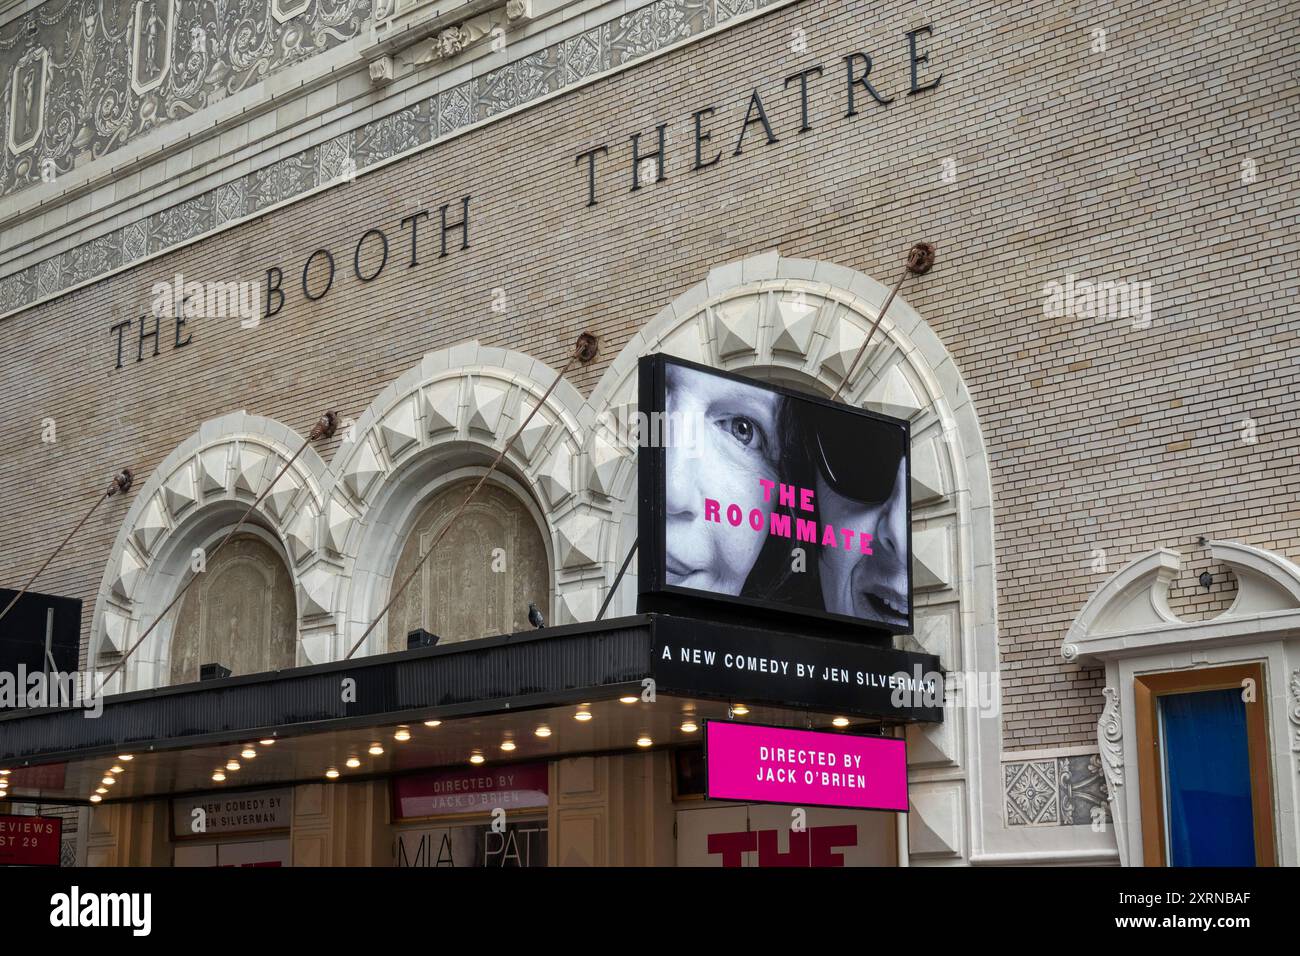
445	420
487	568
241	614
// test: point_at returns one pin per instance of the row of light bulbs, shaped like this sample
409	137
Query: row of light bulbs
249	752
401	734
110	777
582	715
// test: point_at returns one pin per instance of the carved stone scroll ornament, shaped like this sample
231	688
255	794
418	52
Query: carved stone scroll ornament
1294	713
1110	741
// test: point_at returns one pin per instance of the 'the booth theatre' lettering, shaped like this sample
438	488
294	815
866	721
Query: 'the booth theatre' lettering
370	256
711	134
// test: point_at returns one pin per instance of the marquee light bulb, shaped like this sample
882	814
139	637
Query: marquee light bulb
507	745
840	721
376	749
95	798
476	758
543	731
629	699
354	762
433	723
126	756
115	769
101	790
108	781
583	715
739	710
402	734
218	776
267	741
232	765
332	773
690	727
248	753
644	742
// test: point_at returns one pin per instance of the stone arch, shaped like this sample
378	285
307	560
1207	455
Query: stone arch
803	321
194	496
445	419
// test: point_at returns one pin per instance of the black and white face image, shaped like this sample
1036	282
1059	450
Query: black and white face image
722	444
873	587
784	500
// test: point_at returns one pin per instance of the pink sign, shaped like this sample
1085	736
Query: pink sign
438	792
30	841
760	764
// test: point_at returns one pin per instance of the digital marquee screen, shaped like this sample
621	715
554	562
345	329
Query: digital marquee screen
760	495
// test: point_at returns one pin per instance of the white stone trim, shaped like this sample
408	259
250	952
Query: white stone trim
453	413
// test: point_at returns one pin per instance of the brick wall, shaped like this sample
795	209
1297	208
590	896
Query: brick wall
1122	165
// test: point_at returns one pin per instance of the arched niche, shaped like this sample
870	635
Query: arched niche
491	562
195	496
240	613
443	421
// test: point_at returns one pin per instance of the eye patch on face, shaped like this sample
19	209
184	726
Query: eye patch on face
858	458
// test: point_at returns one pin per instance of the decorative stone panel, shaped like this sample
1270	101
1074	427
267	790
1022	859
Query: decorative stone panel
1057	791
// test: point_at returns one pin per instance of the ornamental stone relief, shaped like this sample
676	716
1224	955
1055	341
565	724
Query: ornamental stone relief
117	71
28	81
92	107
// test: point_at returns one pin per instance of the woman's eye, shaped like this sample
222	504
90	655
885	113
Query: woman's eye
743	430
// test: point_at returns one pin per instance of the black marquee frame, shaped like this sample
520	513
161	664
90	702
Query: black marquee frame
651	510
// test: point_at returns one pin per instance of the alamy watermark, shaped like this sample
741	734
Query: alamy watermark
975	690
640	429
216	299
51	688
1085	299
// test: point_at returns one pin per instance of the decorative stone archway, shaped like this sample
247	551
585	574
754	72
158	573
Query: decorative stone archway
1128	627
446	419
192	498
803	321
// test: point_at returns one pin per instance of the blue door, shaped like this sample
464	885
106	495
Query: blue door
1208	815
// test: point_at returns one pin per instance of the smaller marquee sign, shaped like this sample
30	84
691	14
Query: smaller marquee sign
760	764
